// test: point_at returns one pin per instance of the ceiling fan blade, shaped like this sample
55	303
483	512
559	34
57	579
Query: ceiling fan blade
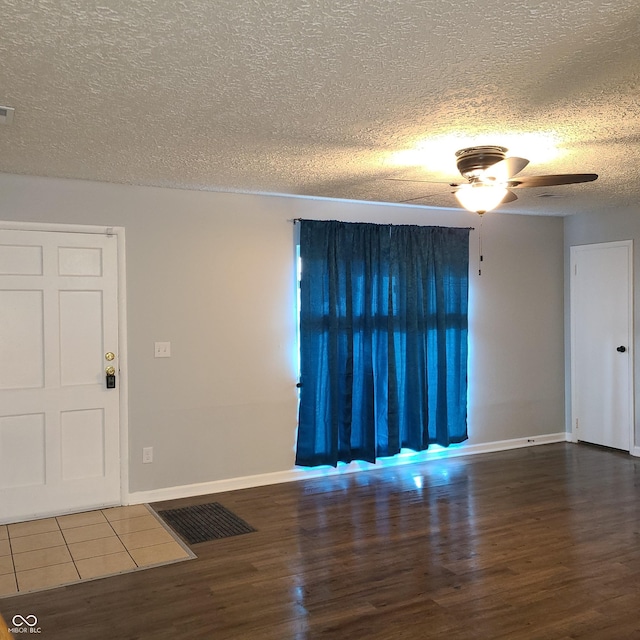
551	180
505	169
510	197
424	197
424	181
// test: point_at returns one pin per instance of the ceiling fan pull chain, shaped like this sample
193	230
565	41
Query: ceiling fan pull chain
480	256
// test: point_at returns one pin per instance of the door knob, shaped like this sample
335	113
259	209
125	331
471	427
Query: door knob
621	349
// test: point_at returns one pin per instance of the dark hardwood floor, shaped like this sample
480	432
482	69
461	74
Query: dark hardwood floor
538	543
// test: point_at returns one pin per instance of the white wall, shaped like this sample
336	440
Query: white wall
213	273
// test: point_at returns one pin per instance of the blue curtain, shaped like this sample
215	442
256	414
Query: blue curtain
383	340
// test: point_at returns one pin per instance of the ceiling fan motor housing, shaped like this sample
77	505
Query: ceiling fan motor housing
472	161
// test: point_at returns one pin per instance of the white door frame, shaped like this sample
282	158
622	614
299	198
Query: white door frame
118	232
630	340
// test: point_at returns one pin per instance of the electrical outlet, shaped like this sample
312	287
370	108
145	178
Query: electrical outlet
147	455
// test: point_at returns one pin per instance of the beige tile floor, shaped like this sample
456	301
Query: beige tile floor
48	553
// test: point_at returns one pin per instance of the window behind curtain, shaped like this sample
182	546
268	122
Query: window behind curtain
383	340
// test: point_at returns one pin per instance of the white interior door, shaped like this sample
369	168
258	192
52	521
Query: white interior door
601	331
59	424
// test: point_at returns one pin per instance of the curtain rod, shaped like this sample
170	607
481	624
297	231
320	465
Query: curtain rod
295	220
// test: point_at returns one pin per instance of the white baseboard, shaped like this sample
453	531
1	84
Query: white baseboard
635	451
293	475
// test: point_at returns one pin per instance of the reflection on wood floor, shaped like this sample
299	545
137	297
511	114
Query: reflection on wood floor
537	543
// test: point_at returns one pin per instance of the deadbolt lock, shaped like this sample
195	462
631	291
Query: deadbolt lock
109	356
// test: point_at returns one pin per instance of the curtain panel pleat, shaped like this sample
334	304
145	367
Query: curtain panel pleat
383	340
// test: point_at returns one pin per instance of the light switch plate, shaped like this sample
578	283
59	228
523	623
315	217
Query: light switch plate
163	349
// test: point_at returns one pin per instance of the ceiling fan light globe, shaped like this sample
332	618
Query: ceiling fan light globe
480	198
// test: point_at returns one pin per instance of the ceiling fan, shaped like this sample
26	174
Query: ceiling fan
490	178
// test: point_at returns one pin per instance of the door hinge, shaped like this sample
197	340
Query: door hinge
577	425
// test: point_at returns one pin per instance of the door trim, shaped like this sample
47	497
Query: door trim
574	250
119	233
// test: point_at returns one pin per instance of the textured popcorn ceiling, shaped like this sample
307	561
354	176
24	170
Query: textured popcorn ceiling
322	97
